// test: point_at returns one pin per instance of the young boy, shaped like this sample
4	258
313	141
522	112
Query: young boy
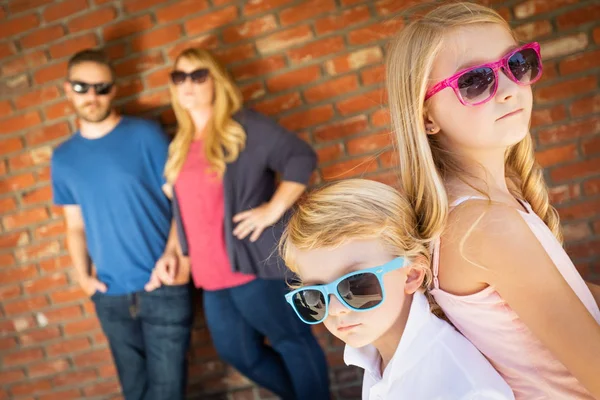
363	273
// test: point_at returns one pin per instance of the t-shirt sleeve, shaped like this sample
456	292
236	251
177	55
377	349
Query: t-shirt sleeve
61	193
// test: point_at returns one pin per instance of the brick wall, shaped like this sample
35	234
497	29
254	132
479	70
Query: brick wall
316	67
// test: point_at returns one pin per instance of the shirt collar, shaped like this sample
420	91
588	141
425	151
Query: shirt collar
367	357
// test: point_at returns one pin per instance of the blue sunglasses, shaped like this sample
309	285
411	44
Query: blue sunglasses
359	291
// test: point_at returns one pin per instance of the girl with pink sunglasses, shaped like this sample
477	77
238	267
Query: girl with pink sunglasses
460	95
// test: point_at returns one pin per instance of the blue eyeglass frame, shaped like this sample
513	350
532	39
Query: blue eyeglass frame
331	288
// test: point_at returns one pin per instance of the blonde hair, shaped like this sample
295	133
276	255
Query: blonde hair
353	209
423	164
225	138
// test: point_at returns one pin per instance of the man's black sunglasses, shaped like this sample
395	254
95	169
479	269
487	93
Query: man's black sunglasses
101	89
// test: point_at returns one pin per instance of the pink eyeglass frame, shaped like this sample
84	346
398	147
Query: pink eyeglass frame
494	66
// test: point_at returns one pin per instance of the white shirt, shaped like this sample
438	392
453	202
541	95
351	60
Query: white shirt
432	362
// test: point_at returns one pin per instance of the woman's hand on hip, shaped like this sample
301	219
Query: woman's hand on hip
255	221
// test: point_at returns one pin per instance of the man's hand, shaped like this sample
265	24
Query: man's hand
164	272
91	285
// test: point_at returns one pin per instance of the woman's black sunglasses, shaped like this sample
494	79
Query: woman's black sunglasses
197	76
101	89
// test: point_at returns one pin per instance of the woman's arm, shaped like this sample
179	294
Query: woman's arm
497	248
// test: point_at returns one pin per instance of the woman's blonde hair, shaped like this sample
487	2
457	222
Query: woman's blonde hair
423	164
225	138
354	209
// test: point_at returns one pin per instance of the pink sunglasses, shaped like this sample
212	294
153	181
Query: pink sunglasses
477	85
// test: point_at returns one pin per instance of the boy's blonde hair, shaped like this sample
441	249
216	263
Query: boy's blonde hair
354	209
423	164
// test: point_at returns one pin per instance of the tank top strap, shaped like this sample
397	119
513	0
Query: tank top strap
463	199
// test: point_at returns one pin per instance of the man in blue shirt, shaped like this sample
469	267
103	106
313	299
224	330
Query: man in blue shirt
109	178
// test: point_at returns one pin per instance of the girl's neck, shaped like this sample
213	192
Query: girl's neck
200	117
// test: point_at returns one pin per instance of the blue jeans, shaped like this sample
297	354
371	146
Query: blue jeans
239	319
149	335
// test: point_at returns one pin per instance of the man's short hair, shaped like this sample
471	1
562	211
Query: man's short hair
91	55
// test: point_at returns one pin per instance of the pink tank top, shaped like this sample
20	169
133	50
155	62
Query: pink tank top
495	329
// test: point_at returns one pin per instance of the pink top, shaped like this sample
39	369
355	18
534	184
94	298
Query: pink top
494	328
200	196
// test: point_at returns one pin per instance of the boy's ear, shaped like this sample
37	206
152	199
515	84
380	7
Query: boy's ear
415	275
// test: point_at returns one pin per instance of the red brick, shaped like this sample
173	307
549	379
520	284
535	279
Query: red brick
317	49
305	11
279	104
579	17
259	6
85	325
133	6
566	89
65	347
39	336
375	32
373	75
284	39
30	388
73	45
576	231
25	5
129	87
354	60
48	367
46	283
591	146
577	170
209	42
180	9
7	50
369	143
60	315
548	116
92	19
24	62
13	239
570	131
55	264
156	38
35	196
587	105
304	119
252	91
23	218
361	102
156	79
10	292
52	229
75	378
341	129
116	51
249	29
7	260
71	294
580	62
139	64
5	108
16	182
63	9
18	274
388	7
71	394
557	155
27	305
592	186
58	110
91	358
148	102
42	36
330	153
14	26
39	250
10	145
581	250
596	35
102	388
533	30
23	121
331	88
126	28
30	159
13	376
294	78
8	326
534	7
234	54
7	343
43	176
389	159
259	67
47	134
207	22
349	168
566	44
340	21
50	73
37	97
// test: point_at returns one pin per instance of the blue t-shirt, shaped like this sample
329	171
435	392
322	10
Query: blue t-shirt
117	181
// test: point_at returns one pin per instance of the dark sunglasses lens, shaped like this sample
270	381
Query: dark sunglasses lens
80	87
525	65
199	75
477	85
310	305
178	77
103	88
361	291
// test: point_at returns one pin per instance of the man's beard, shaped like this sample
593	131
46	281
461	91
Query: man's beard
94	118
